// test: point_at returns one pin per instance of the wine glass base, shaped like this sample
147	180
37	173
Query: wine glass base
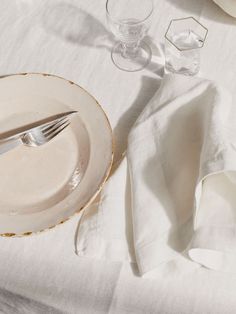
139	62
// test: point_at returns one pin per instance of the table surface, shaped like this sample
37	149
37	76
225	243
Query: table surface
69	38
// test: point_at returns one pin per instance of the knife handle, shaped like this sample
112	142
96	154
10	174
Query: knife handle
8	145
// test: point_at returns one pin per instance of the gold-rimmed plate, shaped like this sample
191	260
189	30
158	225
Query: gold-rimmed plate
42	186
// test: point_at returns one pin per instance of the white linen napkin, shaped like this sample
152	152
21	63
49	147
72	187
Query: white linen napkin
182	142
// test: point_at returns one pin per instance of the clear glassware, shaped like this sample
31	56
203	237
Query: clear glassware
184	39
129	21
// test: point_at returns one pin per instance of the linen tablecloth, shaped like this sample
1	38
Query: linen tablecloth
69	38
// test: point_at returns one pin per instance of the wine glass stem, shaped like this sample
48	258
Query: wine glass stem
130	51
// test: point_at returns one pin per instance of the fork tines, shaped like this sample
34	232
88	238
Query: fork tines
52	130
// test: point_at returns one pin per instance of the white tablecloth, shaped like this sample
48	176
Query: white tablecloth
69	38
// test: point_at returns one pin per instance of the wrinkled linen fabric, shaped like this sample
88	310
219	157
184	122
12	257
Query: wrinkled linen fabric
182	144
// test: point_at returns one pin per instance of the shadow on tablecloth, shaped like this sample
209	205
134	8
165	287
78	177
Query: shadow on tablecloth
72	24
14	303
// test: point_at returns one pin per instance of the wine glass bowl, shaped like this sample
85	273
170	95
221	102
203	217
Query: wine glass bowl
129	21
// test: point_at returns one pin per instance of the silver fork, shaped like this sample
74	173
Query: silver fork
43	134
36	136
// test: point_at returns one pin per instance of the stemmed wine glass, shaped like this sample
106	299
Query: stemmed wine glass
129	21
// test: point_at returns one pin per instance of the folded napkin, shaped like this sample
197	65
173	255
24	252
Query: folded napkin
229	6
174	192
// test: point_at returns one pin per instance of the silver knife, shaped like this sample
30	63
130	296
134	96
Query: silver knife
22	129
11	139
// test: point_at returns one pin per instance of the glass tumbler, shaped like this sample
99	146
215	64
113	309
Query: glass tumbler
184	39
129	21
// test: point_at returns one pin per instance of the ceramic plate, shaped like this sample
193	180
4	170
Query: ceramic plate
41	187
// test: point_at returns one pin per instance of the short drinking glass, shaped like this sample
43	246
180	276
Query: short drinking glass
184	38
129	21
